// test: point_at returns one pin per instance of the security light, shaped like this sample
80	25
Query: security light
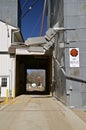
30	7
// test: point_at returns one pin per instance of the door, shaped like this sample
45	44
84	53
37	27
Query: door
4	85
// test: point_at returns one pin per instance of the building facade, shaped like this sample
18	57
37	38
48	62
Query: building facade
10	25
8	35
16	56
69	52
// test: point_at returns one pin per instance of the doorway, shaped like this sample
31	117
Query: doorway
37	66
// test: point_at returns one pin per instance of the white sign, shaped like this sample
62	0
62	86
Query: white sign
74	57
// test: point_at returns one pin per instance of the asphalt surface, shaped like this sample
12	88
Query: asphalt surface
38	113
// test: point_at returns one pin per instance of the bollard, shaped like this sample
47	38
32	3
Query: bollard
6	96
13	93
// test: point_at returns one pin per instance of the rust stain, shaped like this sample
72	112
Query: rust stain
74	72
83	7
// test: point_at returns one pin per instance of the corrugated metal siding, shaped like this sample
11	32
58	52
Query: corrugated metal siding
74	17
9	11
4	65
70	14
5	36
55	12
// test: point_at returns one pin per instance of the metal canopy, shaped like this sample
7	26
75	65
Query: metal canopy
35	41
37	44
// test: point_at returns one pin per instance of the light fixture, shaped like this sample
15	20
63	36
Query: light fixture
30	7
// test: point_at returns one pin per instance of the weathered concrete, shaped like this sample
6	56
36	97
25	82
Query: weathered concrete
38	113
81	113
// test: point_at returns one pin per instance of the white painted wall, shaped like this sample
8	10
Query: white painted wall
5	36
7	64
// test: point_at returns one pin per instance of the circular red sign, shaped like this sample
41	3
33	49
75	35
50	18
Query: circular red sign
74	52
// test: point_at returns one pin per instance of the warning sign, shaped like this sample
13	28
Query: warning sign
74	57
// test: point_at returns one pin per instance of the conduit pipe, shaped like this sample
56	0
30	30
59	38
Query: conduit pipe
69	77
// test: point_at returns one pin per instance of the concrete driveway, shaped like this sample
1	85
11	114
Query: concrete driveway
38	113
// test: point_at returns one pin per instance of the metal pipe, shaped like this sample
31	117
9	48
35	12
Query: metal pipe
68	76
42	24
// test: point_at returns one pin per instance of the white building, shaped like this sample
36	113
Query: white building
16	57
8	35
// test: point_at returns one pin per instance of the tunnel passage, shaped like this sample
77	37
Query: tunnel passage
24	62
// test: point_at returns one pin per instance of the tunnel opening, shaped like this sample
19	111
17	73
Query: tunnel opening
35	80
40	65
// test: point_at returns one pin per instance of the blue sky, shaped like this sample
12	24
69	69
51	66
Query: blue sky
31	22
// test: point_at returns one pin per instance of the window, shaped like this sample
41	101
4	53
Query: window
4	82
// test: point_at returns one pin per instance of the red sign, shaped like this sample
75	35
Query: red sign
74	52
